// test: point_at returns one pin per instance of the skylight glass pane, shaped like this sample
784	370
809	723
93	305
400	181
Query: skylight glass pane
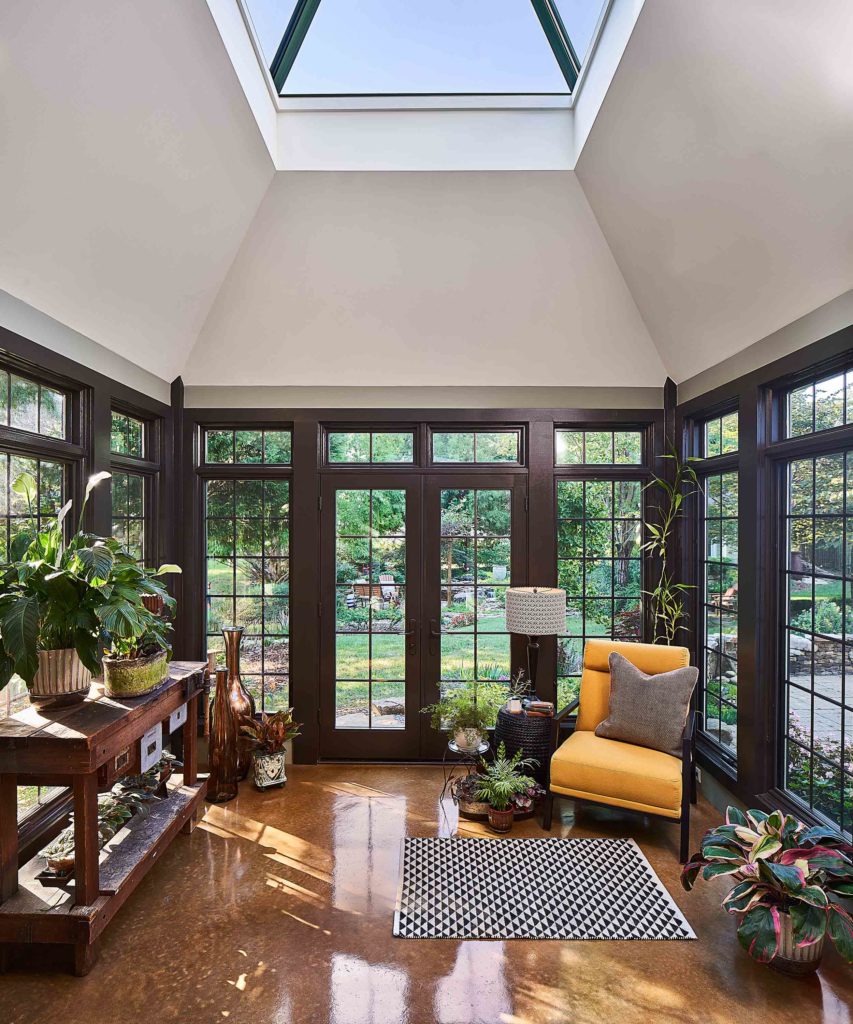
396	47
580	18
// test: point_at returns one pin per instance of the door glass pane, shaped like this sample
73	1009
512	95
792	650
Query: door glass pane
370	651
475	572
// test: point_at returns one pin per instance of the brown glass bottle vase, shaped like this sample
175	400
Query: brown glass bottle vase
242	702
223	752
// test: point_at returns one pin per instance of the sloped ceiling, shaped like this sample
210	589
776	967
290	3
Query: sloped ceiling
130	169
719	169
431	279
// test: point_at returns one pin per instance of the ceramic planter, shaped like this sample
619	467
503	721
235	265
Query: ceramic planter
500	821
61	679
789	959
468	740
134	677
269	769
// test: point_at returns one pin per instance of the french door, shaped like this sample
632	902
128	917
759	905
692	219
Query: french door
414	571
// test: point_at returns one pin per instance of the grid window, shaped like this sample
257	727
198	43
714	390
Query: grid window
720	435
370	609
248	580
600	568
32	797
26	405
720	608
247	447
483	446
598	447
127	435
367	447
818	634
128	522
476	527
820	405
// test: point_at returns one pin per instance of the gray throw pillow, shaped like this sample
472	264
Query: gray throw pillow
650	711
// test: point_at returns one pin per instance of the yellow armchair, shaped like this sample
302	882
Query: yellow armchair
598	770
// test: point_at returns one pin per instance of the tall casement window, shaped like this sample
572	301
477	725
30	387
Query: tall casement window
247	538
718	581
133	449
35	439
817	627
599	565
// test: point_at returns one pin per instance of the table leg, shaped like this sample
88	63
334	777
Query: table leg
190	731
86	849
85	957
8	836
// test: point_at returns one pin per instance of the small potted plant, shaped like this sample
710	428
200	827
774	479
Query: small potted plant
500	781
788	880
267	737
463	717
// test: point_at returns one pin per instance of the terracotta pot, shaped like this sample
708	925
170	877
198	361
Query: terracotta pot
269	769
500	821
793	961
134	677
61	679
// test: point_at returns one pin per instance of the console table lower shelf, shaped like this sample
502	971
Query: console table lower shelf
37	914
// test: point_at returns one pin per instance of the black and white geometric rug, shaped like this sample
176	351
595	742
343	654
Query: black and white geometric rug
532	889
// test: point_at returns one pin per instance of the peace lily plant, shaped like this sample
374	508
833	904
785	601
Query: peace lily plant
789	878
62	601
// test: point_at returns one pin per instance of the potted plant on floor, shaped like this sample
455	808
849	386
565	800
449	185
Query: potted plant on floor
267	737
499	782
789	877
464	715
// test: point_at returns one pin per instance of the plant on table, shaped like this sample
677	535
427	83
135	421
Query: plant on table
500	781
787	875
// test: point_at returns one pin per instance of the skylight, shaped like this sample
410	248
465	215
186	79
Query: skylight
424	47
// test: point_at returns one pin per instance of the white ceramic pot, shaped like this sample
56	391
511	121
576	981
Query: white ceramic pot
789	959
468	740
62	678
269	769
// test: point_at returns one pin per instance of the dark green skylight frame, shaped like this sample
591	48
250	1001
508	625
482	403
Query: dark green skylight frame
304	11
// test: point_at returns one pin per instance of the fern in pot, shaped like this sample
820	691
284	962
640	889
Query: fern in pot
789	880
500	781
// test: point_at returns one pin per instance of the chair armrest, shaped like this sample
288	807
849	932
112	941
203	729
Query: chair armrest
687	741
561	716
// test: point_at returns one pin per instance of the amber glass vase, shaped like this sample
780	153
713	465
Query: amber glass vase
223	753
242	702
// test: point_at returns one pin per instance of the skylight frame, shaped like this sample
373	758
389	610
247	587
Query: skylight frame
571	66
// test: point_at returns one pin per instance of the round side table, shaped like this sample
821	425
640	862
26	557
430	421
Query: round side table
530	733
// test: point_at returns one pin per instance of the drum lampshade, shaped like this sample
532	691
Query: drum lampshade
535	611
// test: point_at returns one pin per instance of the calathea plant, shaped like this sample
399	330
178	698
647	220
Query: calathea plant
83	592
780	866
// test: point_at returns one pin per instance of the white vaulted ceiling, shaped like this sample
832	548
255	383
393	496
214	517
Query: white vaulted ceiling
712	203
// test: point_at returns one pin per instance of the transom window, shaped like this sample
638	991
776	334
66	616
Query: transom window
430	47
248	580
27	405
817	632
820	405
598	447
364	447
127	435
477	446
599	566
247	447
720	435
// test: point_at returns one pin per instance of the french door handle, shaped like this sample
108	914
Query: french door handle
434	635
412	634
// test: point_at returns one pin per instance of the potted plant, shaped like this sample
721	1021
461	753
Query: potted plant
61	599
788	880
463	717
267	736
499	782
138	663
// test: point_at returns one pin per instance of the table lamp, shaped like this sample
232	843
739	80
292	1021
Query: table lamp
535	612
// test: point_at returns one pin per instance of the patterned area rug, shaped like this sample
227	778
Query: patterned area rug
532	889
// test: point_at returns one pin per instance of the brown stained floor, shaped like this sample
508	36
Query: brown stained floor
278	909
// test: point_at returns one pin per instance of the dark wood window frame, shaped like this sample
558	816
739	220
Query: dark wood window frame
150	468
372	428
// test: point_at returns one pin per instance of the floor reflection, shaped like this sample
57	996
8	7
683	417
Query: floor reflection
367	832
364	993
475	991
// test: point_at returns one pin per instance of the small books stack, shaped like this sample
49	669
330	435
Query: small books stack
539	708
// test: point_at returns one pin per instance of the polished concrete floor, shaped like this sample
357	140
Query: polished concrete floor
278	909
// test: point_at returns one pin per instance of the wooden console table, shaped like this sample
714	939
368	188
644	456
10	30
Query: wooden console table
73	747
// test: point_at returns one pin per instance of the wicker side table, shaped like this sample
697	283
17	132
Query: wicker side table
530	733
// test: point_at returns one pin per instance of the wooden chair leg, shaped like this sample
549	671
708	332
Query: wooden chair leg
548	811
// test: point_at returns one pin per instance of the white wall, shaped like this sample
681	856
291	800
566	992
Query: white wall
485	279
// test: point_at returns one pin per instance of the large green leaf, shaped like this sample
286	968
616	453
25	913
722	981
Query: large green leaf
97	562
759	933
169	567
840	927
815	835
121	619
808	923
727	853
786	876
712	870
740	898
765	847
691	870
20	626
26	486
818	858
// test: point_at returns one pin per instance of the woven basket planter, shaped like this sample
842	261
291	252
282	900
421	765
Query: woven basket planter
134	677
61	679
527	733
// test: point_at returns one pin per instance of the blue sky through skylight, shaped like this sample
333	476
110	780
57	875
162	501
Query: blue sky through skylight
394	47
